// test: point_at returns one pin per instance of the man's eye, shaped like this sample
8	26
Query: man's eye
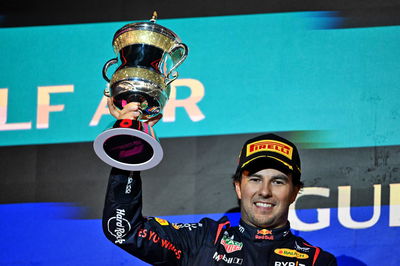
278	182
254	179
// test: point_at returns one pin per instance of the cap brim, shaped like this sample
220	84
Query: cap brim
265	162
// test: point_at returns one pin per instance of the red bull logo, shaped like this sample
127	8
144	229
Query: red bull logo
264	234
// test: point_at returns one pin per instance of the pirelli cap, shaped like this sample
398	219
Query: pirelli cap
270	151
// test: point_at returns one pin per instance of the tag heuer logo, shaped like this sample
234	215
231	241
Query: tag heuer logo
231	245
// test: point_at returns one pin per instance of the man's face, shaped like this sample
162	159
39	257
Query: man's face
265	197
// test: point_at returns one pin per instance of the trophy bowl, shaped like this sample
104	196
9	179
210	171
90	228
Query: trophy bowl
147	57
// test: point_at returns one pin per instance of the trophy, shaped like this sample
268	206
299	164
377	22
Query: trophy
147	57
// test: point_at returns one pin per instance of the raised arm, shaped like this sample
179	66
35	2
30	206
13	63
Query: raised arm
153	240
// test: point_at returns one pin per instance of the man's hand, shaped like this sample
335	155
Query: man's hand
130	111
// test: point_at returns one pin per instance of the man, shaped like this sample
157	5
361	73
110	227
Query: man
266	182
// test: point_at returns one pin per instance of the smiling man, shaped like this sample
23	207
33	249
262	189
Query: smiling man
265	196
266	182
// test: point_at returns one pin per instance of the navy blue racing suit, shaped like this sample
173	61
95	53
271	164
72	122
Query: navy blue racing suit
208	242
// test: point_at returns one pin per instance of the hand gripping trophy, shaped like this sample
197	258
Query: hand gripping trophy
149	54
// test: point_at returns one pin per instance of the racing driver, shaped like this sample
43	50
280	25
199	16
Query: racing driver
266	182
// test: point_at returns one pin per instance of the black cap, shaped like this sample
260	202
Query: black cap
270	151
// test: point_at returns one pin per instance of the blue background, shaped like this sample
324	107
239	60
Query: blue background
47	234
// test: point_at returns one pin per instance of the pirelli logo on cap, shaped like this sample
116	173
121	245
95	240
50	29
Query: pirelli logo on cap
269	145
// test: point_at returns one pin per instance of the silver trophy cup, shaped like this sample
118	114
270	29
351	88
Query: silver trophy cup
147	57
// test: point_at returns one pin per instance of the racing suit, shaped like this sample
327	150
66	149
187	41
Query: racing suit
159	242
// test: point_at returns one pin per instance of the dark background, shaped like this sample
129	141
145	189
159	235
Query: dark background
193	178
357	13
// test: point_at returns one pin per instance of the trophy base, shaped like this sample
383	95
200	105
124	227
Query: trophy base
130	145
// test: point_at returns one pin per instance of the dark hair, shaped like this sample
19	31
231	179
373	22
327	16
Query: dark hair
237	177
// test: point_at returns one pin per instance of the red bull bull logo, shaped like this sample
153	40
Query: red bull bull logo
264	232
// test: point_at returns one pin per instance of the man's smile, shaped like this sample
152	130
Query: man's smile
264	205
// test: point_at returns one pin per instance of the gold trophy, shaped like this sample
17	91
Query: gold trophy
148	57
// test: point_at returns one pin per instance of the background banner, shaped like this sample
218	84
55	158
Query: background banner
244	74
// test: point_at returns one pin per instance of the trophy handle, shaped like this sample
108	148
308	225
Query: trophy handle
107	65
169	79
183	57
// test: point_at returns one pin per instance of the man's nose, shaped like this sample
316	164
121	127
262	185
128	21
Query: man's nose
265	190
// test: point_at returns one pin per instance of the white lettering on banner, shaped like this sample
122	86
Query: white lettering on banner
44	108
344	214
394	213
101	110
190	103
3	114
323	213
344	209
